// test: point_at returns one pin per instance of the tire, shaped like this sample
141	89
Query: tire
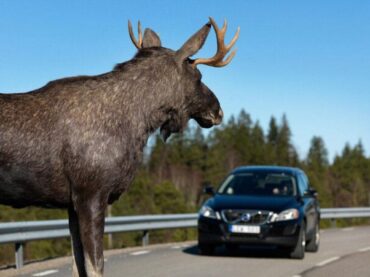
206	249
298	251
314	243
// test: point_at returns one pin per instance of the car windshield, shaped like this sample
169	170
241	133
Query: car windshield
259	183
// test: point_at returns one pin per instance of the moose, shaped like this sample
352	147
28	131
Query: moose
76	142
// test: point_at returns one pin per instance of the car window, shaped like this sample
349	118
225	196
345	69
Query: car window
305	178
302	184
262	184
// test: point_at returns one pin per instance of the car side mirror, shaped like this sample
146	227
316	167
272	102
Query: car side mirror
209	190
311	192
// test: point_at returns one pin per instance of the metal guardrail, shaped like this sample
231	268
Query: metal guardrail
333	213
21	232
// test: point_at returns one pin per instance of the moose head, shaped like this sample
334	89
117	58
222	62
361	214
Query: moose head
194	99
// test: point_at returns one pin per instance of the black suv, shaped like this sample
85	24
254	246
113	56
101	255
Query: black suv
261	205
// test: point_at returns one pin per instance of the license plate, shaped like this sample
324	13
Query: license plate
245	229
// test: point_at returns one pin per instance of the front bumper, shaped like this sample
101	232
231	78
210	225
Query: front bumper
284	233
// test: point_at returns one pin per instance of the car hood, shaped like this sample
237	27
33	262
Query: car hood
270	203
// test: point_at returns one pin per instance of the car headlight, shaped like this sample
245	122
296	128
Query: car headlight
286	215
207	211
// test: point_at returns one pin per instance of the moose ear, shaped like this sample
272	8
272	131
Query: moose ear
193	44
151	39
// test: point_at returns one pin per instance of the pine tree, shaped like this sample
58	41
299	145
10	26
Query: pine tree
258	145
286	153
273	132
318	154
350	177
280	149
317	166
242	138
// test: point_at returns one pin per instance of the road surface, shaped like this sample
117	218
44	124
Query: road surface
343	252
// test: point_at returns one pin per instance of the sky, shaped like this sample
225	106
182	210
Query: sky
309	60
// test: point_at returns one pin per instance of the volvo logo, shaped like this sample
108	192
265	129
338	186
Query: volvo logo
246	217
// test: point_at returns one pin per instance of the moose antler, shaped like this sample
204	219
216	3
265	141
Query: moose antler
139	43
218	59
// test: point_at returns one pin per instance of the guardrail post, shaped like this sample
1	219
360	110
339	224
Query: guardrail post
145	238
333	223
19	255
110	235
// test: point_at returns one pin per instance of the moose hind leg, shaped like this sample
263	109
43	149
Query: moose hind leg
91	215
78	267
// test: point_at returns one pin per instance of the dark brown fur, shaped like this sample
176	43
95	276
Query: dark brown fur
76	142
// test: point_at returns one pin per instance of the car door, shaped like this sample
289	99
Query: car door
308	203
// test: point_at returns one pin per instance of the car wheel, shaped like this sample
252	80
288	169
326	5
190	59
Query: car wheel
314	243
298	251
206	249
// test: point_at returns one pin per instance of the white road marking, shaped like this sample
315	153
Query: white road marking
328	261
296	276
46	272
364	249
180	246
140	253
348	229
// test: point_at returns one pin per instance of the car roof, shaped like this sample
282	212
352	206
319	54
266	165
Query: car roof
269	168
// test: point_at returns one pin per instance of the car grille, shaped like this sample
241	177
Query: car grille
246	216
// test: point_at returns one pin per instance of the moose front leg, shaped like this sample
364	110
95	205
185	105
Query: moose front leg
90	214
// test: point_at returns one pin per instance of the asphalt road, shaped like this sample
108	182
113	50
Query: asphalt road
343	253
